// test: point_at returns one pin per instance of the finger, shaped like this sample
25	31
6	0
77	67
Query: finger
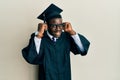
39	26
65	24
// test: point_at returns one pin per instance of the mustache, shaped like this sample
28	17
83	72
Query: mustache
58	31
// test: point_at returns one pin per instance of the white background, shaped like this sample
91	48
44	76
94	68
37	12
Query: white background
98	20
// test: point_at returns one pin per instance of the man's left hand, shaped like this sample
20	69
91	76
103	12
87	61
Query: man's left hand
68	28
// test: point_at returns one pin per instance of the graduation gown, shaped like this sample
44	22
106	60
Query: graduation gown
54	57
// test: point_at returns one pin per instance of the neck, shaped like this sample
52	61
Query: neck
50	33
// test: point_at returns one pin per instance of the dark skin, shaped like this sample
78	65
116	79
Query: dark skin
55	30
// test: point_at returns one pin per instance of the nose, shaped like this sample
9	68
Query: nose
58	28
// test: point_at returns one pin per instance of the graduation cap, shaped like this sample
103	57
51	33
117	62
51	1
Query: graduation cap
51	12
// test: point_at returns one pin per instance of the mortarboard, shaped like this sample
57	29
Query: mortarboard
51	12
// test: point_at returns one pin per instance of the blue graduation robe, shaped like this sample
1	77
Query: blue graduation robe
54	57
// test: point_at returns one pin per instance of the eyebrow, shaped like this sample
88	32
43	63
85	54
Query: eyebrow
53	20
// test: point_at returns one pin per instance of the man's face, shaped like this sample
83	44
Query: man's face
55	27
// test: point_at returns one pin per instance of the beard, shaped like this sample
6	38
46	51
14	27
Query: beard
57	33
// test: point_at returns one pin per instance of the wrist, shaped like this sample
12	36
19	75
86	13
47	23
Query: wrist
39	35
72	32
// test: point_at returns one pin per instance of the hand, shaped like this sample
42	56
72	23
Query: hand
41	28
68	28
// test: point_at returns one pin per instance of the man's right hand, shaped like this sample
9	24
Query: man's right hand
41	28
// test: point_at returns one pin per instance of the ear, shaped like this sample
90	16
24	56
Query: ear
46	27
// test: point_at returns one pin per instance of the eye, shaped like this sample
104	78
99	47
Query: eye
60	25
56	25
52	25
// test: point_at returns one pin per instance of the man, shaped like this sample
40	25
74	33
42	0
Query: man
50	47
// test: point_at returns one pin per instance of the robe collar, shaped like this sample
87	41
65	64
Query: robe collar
51	36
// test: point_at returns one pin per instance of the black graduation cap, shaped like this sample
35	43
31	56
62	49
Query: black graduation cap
51	12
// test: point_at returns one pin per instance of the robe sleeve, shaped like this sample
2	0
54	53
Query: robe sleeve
30	54
75	48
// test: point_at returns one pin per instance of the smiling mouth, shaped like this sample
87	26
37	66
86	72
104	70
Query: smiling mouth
57	33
